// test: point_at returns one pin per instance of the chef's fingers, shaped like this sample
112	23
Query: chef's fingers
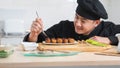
39	20
36	27
94	38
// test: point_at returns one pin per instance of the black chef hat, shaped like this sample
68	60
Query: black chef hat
91	9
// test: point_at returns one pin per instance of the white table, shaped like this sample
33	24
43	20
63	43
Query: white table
82	59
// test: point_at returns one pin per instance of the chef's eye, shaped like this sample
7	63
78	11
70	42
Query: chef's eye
83	21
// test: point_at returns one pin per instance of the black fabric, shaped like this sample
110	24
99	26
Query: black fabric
65	29
91	9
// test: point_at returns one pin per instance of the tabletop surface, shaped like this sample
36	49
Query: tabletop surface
17	59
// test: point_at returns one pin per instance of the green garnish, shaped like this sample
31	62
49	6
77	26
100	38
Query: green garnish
3	54
93	42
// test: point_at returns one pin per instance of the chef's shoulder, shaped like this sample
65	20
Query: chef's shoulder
65	22
108	23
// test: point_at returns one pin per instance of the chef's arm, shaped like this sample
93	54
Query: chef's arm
113	39
108	40
39	39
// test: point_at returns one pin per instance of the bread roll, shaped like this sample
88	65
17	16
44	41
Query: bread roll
71	40
59	40
53	40
65	40
47	40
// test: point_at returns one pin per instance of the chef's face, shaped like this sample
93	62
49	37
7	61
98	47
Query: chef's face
83	25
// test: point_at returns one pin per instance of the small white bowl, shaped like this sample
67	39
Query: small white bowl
29	46
118	47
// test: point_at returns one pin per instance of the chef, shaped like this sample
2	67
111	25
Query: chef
87	24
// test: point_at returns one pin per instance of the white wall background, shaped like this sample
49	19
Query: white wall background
113	9
51	11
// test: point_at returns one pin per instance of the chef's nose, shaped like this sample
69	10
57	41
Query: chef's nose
79	23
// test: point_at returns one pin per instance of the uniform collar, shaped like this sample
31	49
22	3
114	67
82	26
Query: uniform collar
97	30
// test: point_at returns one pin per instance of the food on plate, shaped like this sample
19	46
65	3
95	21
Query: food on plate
71	40
93	42
59	40
48	40
53	40
65	40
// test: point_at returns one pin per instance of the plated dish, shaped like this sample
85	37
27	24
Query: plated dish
75	42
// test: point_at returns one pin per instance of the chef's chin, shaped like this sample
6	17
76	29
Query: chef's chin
79	31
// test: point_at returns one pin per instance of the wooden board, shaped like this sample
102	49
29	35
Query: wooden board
111	52
108	54
75	47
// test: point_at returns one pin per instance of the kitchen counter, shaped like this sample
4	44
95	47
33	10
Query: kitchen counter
17	59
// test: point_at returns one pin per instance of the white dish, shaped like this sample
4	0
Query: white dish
118	47
29	46
59	43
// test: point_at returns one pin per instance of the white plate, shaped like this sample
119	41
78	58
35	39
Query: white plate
59	43
29	45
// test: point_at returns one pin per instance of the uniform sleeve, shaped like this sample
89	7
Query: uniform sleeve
113	39
41	38
55	30
26	38
115	29
52	32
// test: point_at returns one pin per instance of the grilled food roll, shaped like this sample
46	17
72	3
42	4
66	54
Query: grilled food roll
71	40
59	40
65	40
53	40
48	40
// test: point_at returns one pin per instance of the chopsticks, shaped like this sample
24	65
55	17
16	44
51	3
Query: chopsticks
42	30
37	14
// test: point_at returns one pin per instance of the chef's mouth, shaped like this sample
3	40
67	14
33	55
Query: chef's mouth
79	29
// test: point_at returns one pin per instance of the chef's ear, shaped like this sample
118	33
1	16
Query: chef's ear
97	22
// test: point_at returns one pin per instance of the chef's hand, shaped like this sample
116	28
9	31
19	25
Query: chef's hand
101	39
36	29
